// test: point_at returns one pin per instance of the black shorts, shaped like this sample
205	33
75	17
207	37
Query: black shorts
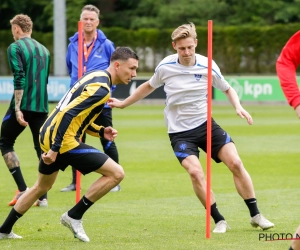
84	158
11	129
187	143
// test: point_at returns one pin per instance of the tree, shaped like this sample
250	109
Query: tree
136	14
36	9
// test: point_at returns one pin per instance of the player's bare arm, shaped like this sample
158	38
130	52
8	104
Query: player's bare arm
234	100
19	114
18	99
140	93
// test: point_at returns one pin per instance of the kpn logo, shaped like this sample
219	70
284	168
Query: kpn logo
247	88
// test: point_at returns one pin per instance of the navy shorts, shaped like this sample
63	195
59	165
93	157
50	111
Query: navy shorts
84	158
188	142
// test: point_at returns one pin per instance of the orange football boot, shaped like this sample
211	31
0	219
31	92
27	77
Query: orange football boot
17	196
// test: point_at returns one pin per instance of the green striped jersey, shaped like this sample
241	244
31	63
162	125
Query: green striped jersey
29	62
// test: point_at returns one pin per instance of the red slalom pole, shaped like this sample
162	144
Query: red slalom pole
80	57
209	111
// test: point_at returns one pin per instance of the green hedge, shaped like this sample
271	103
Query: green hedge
236	49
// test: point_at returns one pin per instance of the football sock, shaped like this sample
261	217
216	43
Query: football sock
252	206
18	177
11	219
215	214
80	208
43	197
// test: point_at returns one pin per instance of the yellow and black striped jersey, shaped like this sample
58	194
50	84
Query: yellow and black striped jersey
75	113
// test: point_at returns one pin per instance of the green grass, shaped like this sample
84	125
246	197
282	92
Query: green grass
157	208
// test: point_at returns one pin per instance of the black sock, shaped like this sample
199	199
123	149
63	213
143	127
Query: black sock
290	248
11	219
43	197
252	206
80	208
215	214
18	177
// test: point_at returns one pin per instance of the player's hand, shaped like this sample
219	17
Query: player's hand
115	103
50	157
297	109
20	118
244	114
110	133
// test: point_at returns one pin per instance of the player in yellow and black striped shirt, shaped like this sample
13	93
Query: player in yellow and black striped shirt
60	140
65	125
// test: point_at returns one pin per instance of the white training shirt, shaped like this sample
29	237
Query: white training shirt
186	91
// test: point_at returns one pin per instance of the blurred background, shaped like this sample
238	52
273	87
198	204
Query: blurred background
247	35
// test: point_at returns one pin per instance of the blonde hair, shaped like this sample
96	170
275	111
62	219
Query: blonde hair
184	31
23	21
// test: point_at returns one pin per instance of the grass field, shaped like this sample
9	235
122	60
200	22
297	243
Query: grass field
157	208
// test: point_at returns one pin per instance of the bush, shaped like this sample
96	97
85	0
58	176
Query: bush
236	49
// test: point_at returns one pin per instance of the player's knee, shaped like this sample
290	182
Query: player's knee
196	174
119	174
235	164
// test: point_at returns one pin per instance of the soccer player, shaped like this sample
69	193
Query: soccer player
60	141
184	77
286	65
29	62
97	52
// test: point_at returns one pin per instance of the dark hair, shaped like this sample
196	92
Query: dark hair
123	53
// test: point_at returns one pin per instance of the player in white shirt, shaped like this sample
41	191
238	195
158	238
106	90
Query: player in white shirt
184	77
186	89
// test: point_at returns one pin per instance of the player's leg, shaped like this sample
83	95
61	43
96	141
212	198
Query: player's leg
93	161
229	156
185	147
112	174
296	242
35	121
109	147
43	185
192	165
10	130
242	180
194	169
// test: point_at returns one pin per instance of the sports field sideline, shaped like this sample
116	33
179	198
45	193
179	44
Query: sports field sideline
157	208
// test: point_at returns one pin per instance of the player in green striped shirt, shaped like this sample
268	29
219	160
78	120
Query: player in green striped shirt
29	62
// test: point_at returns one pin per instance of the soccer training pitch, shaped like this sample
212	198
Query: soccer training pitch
156	207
